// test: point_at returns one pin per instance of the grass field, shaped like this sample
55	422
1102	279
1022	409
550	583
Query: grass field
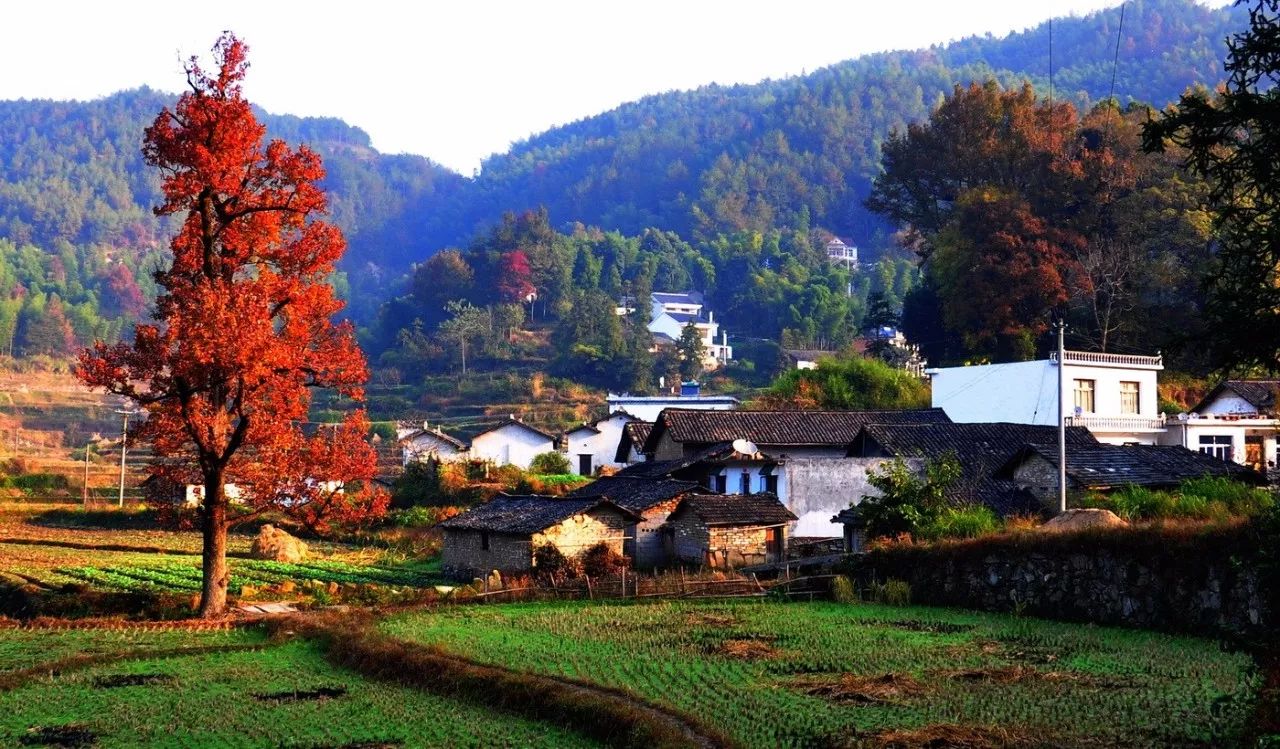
772	675
283	696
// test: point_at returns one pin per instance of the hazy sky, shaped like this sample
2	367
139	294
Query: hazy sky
457	81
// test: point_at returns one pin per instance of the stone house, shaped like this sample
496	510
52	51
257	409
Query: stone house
653	499
502	533
1102	468
511	443
729	530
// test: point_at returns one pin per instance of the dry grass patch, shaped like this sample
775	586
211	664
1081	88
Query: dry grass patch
1026	674
746	648
953	736
889	689
710	619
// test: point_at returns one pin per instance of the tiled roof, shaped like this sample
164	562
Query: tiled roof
795	428
1261	394
653	469
676	297
635	494
634	434
527	514
517	423
684	317
982	450
435	434
736	509
1103	466
808	354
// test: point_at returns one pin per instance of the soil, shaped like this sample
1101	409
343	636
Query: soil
855	689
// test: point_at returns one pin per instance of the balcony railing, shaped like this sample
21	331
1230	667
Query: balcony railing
1111	360
1118	423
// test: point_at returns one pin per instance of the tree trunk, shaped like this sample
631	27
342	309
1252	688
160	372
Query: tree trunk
213	592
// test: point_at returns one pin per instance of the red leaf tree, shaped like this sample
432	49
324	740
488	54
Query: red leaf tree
244	325
514	274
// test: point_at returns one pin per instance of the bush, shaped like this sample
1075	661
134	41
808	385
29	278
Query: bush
602	561
1207	498
891	592
421	516
842	590
549	564
908	501
549	464
963	522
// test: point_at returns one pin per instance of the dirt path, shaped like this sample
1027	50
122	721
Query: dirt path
612	716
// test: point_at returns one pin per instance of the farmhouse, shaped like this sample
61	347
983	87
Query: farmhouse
591	447
426	444
631	441
511	443
502	533
1236	421
734	530
1101	468
653	500
672	311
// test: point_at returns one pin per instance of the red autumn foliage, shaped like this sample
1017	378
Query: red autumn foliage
514	284
243	325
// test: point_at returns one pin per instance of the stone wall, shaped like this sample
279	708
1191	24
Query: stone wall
736	547
646	546
465	557
818	488
1203	582
584	530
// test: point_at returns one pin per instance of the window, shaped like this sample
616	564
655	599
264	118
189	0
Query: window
1084	396
1217	445
771	484
484	540
1128	397
721	483
744	483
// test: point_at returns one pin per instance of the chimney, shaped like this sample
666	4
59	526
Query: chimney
711	316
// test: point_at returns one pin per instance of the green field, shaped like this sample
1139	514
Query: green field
773	675
287	695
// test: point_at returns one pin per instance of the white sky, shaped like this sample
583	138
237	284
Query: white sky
459	80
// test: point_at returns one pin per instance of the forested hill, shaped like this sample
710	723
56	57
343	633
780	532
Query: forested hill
721	159
77	233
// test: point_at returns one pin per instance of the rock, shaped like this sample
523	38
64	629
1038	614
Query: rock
495	580
1074	520
277	545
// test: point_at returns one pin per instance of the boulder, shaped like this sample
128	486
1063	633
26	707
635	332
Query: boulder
277	545
1074	520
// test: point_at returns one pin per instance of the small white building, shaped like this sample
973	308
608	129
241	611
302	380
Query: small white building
513	443
647	407
841	253
671	312
1236	421
593	446
1113	395
431	444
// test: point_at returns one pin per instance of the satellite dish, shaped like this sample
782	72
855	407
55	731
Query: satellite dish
745	447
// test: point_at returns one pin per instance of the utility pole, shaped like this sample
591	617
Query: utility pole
1062	418
124	444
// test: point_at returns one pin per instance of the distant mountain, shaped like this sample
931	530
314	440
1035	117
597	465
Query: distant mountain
716	160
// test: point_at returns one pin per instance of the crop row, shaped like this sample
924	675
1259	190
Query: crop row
742	667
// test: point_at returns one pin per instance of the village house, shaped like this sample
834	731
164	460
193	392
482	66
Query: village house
671	312
647	407
590	447
511	443
1114	396
801	456
839	253
502	533
1236	421
634	433
727	531
431	444
806	358
1102	468
653	499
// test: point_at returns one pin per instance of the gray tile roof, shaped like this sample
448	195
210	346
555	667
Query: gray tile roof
1261	394
635	494
634	433
527	514
780	428
677	297
736	509
1104	466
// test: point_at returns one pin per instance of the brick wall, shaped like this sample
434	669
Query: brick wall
1040	477
581	532
646	547
690	538
736	547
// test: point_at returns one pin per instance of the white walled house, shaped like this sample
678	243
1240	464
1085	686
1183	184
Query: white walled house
594	446
841	253
425	444
1236	421
513	443
671	312
647	407
1113	395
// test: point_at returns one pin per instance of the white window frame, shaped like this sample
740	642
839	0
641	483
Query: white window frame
1091	391
1130	400
1218	445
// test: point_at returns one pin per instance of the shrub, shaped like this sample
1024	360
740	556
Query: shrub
601	560
421	516
908	501
962	522
550	564
1239	499
1207	498
549	464
891	592
842	590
